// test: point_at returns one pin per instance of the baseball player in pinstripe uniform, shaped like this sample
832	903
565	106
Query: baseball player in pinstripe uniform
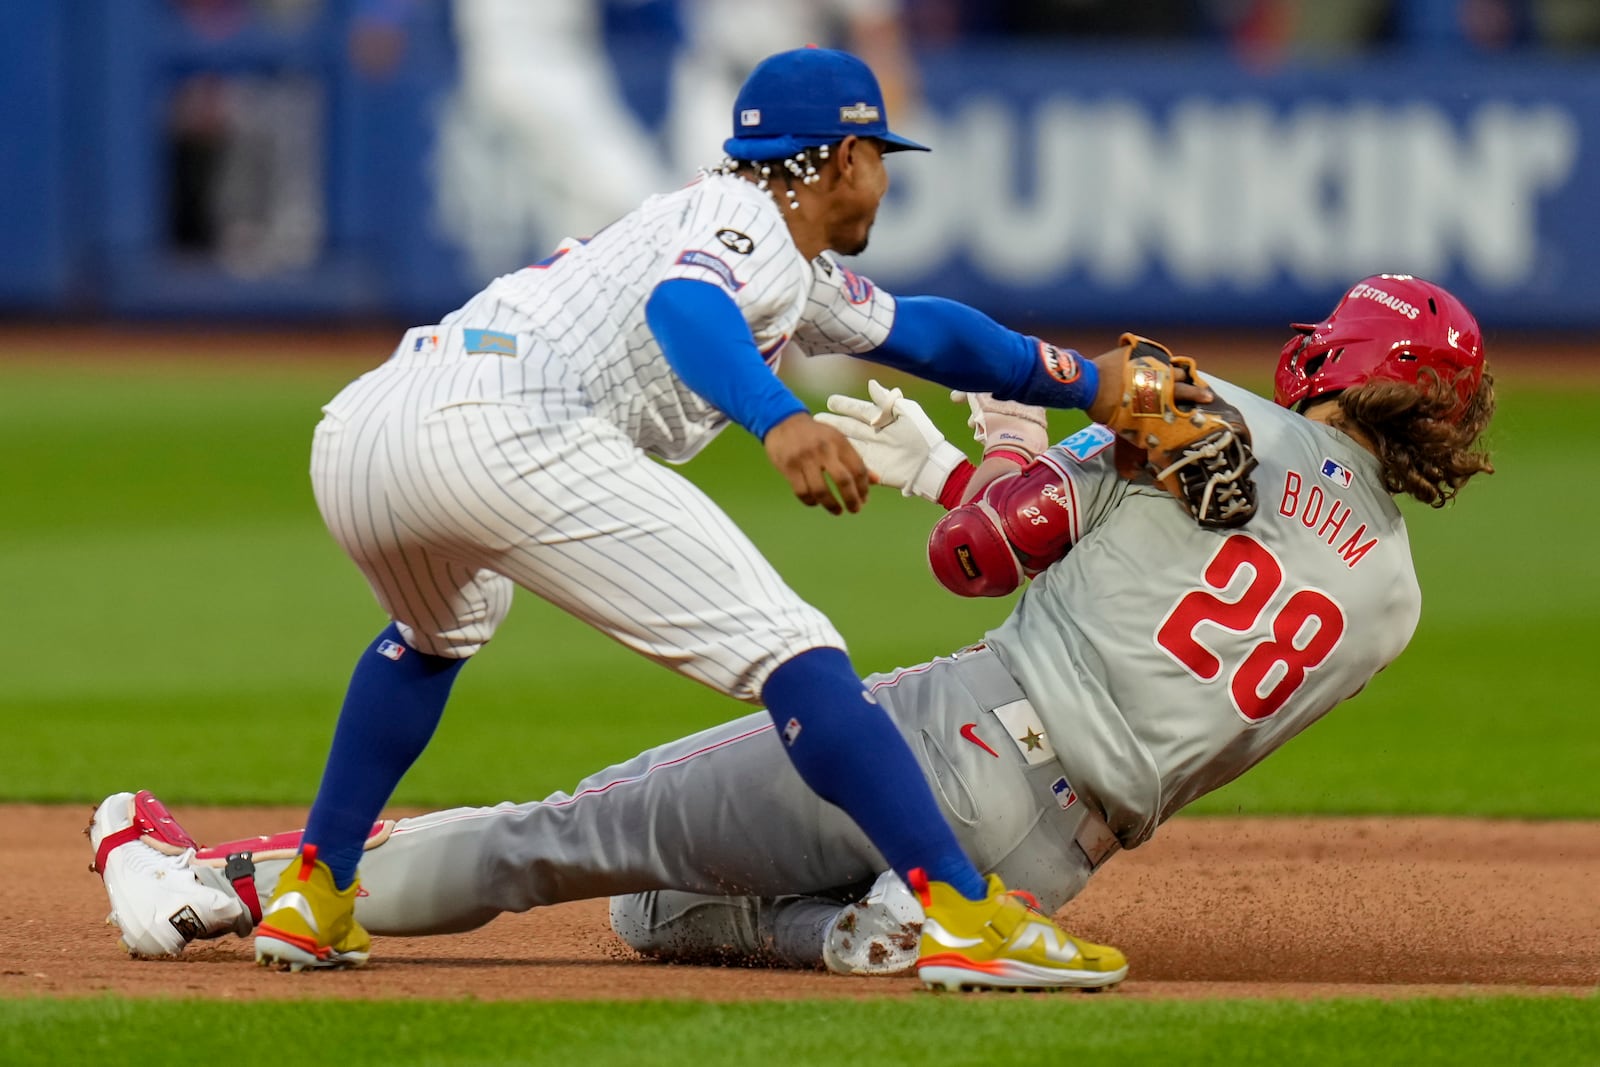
1149	662
511	443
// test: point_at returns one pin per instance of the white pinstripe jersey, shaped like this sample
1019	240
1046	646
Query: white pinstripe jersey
586	307
1165	660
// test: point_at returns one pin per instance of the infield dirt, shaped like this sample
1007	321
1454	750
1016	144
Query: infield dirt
1213	907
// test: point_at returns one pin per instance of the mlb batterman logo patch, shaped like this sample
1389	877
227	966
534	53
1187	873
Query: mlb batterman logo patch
390	649
750	116
1336	472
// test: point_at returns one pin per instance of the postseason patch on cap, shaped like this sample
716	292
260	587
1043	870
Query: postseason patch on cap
860	114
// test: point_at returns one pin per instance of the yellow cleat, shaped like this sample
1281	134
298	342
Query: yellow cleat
1004	942
309	923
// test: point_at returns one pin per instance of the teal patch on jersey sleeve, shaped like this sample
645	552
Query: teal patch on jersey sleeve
489	342
1088	442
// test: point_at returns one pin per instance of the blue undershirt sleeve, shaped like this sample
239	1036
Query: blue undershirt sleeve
708	344
961	347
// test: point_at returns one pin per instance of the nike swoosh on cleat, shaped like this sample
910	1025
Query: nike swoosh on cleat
969	730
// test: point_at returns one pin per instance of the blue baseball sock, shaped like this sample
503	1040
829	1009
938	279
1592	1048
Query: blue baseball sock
850	753
394	703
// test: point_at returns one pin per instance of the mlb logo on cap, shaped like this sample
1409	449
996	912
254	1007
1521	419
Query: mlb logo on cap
805	98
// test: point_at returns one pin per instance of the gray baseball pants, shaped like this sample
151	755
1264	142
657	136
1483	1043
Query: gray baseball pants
674	833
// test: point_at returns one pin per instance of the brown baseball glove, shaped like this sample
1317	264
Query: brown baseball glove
1200	453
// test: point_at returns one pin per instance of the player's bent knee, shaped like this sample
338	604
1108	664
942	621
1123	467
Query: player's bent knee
463	643
685	927
631	921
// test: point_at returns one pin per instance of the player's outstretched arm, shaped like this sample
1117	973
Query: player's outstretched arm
960	347
708	344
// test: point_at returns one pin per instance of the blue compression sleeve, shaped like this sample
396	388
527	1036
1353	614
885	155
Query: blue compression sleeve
391	709
708	345
961	347
849	752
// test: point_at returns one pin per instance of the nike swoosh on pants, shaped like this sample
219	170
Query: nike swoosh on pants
969	730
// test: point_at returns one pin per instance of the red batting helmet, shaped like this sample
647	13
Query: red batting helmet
1388	326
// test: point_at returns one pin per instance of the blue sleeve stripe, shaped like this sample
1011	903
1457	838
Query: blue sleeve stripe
708	344
961	347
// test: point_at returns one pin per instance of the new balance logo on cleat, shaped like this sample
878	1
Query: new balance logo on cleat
1055	943
297	903
932	931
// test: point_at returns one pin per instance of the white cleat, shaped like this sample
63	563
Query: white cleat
877	935
158	900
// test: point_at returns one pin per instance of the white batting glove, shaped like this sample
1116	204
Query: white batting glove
1005	423
896	439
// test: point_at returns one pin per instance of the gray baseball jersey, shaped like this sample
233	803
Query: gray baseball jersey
1165	660
506	445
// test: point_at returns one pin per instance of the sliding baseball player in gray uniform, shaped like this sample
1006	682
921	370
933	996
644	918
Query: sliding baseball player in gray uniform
1150	661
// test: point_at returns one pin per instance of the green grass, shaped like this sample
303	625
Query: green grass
950	1032
177	618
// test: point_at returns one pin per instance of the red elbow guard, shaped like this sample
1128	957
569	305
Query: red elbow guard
970	555
1019	525
1037	508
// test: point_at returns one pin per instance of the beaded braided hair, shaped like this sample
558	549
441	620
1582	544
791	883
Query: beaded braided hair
802	165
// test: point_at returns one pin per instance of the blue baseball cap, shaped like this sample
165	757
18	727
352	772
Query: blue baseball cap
808	97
